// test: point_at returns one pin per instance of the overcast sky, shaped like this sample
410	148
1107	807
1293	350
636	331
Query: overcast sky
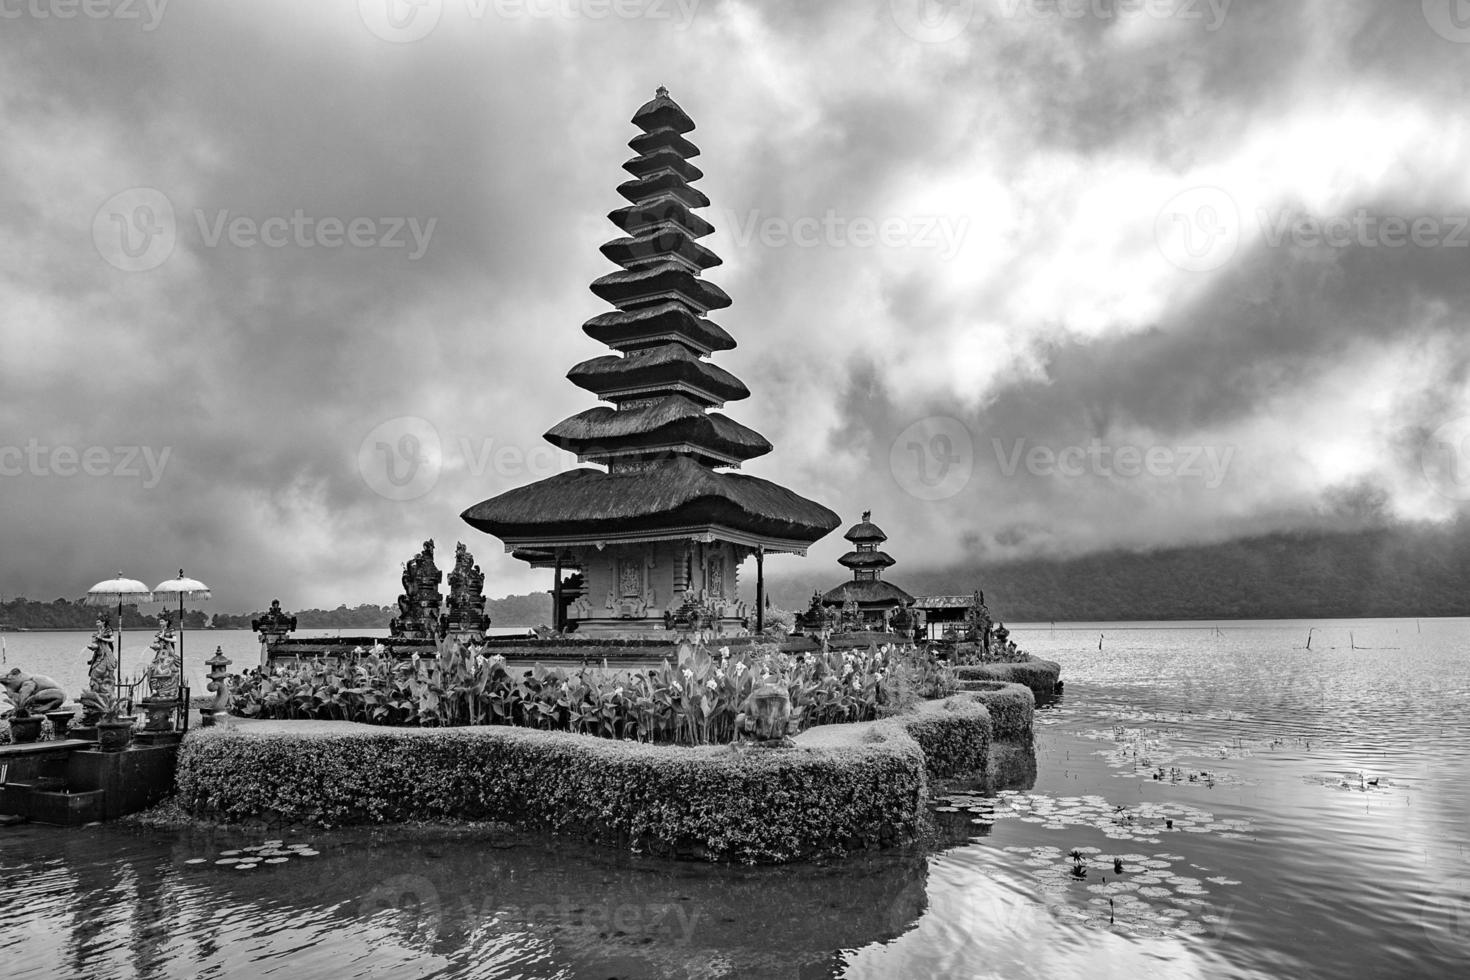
1022	277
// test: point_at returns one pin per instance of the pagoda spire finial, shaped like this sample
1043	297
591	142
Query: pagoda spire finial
661	92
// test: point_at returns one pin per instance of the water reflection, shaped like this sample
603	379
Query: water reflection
1284	861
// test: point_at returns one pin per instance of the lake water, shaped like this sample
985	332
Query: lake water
1276	811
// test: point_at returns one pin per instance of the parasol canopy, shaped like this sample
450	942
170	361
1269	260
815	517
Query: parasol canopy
118	592
181	588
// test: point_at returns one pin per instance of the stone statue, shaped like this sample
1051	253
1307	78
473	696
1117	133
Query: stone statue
163	673
101	675
35	694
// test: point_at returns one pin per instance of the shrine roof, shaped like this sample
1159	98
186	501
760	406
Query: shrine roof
662	112
647	325
672	494
866	559
650	245
867	594
663	158
864	531
671	420
657	370
631	285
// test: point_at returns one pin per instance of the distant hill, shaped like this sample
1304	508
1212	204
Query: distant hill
515	610
1411	570
72	614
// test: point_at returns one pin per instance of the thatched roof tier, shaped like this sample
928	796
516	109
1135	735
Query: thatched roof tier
647	144
656	185
865	531
659	246
662	112
650	326
675	500
667	369
658	214
866	560
665	158
674	423
869	594
656	283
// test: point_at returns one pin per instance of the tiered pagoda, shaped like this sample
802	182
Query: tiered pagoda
868	600
657	537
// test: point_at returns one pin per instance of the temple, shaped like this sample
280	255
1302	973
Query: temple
867	600
657	538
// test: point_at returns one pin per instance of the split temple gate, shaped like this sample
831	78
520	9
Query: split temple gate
655	540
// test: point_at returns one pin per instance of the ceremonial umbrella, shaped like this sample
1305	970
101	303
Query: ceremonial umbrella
118	592
184	588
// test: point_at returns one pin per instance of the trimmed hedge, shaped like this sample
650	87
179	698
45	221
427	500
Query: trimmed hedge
955	735
842	791
1011	707
1039	675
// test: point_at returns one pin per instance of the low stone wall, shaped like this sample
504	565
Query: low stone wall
1042	676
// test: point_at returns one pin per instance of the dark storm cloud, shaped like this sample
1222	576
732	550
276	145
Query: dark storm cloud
261	370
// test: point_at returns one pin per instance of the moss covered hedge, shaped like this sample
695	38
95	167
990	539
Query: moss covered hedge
840	793
1039	675
955	735
1011	707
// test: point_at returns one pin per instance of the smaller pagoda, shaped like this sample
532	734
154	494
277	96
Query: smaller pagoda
868	602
